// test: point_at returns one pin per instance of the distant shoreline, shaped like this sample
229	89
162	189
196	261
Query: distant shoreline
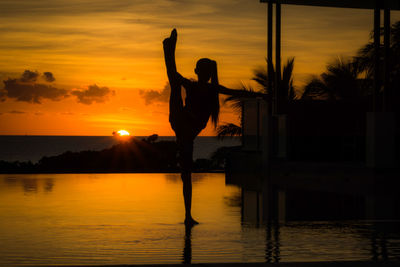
74	154
34	147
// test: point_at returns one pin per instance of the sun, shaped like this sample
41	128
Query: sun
123	133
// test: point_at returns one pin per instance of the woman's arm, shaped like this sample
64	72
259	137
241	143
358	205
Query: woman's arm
240	92
227	91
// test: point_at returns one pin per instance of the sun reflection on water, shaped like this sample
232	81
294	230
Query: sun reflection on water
137	219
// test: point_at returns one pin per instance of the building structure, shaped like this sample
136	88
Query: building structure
372	185
380	147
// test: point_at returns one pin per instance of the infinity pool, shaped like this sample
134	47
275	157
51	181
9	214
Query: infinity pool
137	219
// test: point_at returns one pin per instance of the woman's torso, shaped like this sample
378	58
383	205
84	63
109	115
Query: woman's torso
198	102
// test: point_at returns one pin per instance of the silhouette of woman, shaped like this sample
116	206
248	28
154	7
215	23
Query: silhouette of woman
201	103
188	120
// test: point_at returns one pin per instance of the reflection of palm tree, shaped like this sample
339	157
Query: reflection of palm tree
262	78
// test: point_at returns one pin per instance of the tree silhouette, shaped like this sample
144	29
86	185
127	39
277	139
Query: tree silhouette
339	81
229	129
262	78
286	87
365	57
352	79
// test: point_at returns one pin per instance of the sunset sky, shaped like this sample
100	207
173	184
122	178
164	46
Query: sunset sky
98	66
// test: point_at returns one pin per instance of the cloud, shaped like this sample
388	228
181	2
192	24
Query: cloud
93	94
67	113
151	96
125	109
26	88
29	76
16	112
48	76
32	92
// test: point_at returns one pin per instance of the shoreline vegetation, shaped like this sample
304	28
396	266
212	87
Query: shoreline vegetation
132	155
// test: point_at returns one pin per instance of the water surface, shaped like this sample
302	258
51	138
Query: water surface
137	219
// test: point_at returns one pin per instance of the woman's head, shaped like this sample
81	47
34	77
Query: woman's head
205	68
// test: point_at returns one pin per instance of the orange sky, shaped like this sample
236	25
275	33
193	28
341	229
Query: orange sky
106	56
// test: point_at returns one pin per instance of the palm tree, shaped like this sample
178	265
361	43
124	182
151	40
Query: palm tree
286	84
229	129
352	79
365	57
339	81
261	77
316	88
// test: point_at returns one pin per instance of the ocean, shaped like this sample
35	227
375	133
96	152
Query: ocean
33	147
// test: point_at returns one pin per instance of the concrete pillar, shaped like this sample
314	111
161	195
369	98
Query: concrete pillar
278	94
266	158
251	209
380	207
269	45
387	93
377	43
381	135
282	121
281	206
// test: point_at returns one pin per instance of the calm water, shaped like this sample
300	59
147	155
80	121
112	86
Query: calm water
136	218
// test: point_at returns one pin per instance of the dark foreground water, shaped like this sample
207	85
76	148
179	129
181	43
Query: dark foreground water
137	219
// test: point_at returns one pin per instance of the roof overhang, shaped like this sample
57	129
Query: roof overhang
363	4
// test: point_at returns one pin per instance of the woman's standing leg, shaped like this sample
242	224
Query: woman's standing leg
185	147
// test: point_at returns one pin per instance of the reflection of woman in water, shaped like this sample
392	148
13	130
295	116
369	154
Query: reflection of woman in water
189	120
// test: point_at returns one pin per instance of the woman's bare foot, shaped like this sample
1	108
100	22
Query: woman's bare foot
170	42
190	221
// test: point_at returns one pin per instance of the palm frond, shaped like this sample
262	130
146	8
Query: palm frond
341	79
287	80
262	77
316	88
287	74
243	93
228	129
